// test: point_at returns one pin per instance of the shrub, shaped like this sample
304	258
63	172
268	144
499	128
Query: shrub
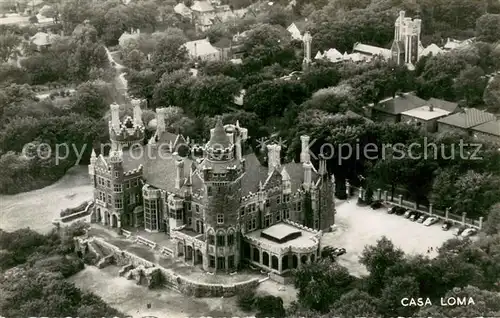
70	211
246	300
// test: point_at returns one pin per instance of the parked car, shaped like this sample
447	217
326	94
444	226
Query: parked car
408	213
469	232
446	225
414	216
395	209
422	218
459	230
400	210
430	220
339	251
376	204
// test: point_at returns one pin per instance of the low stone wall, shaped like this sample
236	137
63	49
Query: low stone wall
173	280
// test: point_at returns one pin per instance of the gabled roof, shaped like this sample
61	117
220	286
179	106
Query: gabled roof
490	127
443	104
182	9
200	48
202	6
372	50
42	38
432	49
399	104
468	118
295	32
333	55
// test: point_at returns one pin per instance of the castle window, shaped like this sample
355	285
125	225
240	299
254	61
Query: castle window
172	214
197	208
220	218
249	208
108	183
151	215
299	206
212	261
253	207
242	211
278	199
267	220
221	240
221	262
132	198
117	188
254	223
286	214
286	197
102	196
100	181
209	191
189	206
190	221
211	239
117	174
109	199
267	203
249	225
230	239
178	215
135	183
278	216
230	262
118	203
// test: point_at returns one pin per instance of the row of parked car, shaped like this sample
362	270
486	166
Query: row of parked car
427	220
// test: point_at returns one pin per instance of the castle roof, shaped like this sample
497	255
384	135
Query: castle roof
219	139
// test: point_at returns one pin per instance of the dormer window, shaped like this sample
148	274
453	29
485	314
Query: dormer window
209	191
220	218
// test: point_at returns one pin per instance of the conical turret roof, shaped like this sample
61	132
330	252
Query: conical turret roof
219	139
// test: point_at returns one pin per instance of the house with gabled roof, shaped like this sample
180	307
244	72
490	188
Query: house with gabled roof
370	51
297	29
390	109
477	123
202	50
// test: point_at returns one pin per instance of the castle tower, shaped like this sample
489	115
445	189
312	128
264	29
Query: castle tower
326	201
405	47
307	39
127	133
222	170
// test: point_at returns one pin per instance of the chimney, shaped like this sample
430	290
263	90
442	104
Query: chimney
115	116
307	175
273	157
180	172
195	50
137	112
401	16
160	120
431	107
304	154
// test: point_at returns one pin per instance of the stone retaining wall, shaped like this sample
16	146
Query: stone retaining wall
173	280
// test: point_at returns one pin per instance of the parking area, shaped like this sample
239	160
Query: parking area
358	226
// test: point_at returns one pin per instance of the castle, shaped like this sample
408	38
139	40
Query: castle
406	46
216	201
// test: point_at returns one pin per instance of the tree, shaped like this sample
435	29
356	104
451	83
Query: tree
169	53
390	300
33	19
212	95
355	303
320	284
270	306
488	28
174	89
90	100
470	85
491	95
142	85
476	193
492	225
378	259
9	43
50	12
443	189
486	303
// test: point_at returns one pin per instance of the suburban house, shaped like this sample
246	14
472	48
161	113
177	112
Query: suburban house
43	40
390	109
465	121
370	51
202	50
425	116
488	132
228	49
432	49
134	34
203	14
296	29
182	10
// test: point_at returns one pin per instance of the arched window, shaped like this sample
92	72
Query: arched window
221	238
211	237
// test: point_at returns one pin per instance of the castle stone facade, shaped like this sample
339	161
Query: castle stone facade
216	201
